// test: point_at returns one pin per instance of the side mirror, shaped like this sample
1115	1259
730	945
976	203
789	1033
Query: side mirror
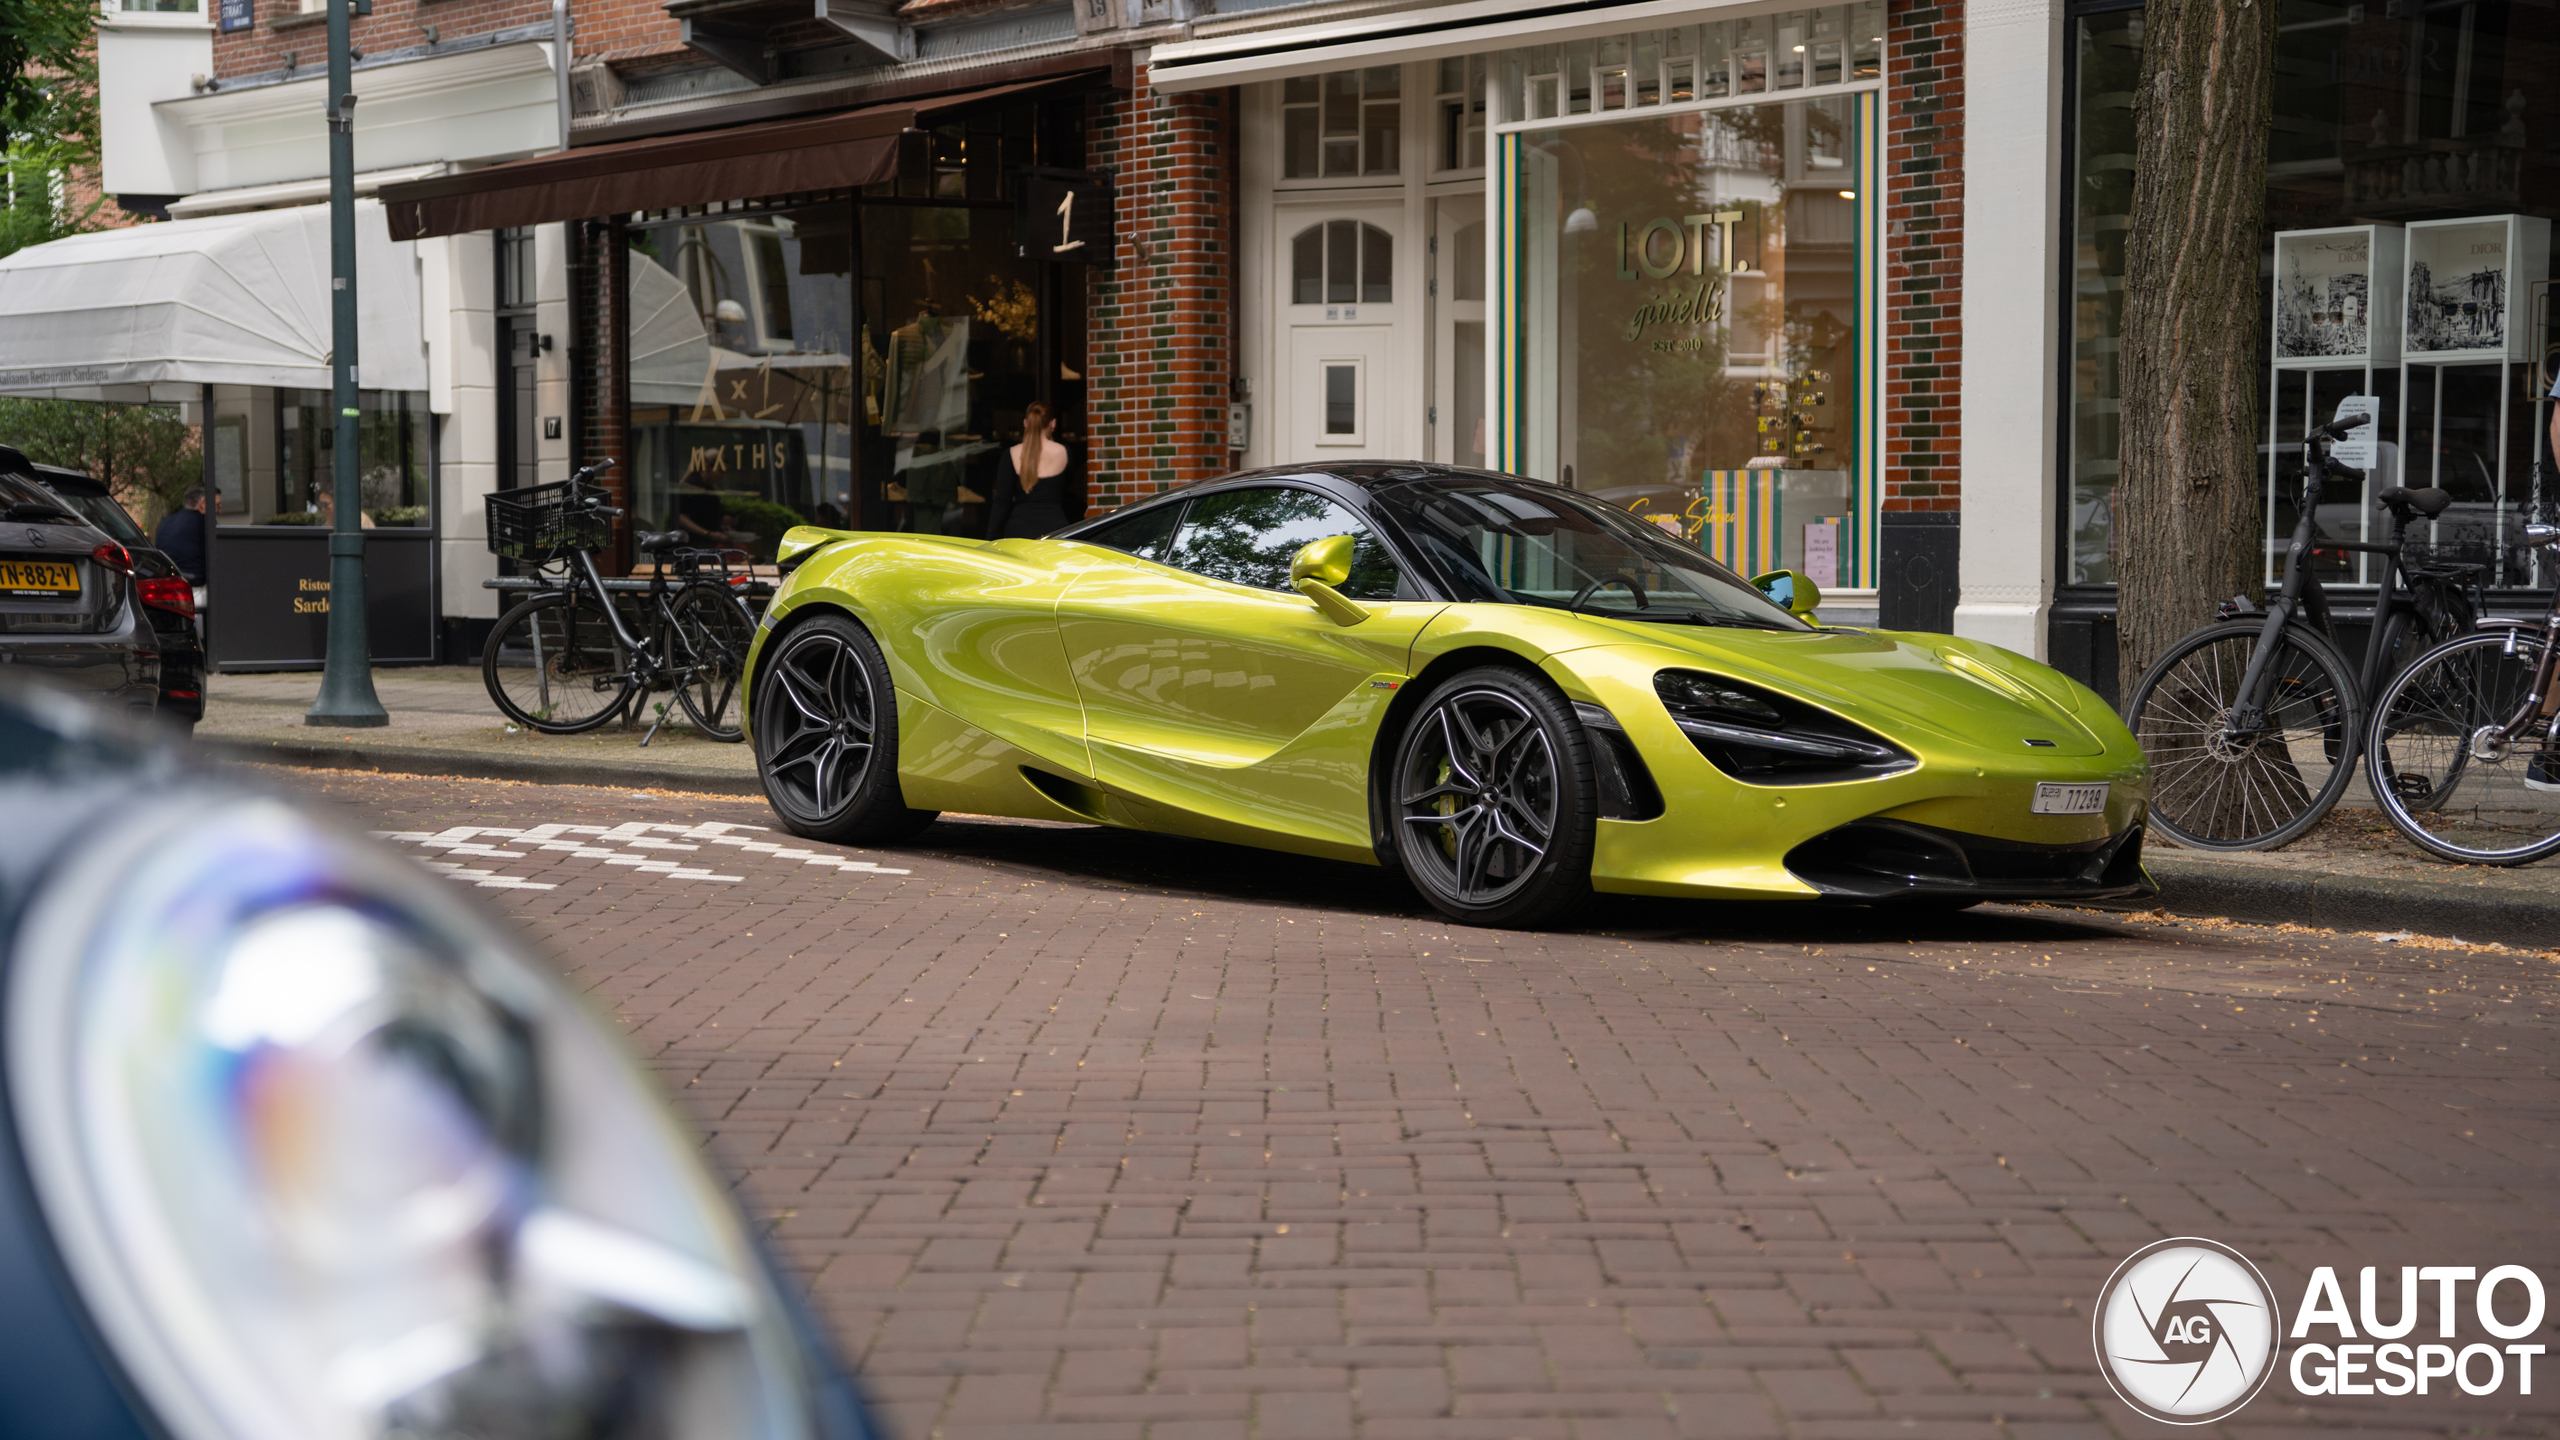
1319	566
1326	561
1790	589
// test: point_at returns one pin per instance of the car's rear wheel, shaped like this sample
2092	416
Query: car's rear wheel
826	732
1494	800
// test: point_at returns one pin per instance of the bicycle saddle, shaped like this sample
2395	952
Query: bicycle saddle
2430	503
659	542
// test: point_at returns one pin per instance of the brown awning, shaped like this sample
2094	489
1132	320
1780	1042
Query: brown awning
742	162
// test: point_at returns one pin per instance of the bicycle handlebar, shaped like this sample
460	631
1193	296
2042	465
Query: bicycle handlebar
2337	428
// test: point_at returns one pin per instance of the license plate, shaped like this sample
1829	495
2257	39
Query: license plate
2052	799
38	577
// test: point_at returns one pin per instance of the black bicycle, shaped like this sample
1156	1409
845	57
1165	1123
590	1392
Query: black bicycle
2465	746
565	660
2253	723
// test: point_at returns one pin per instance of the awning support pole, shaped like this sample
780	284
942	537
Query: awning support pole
346	696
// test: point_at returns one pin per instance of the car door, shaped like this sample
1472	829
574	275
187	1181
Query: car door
1221	696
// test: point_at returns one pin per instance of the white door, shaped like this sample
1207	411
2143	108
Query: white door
1350	393
1456	290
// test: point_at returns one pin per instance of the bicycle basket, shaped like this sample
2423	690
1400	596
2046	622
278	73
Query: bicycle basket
542	523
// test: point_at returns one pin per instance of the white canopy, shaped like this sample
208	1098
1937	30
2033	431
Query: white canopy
224	300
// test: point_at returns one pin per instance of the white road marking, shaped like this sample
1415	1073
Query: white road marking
643	846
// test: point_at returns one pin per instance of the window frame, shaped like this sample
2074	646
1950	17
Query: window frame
1357	437
1282	106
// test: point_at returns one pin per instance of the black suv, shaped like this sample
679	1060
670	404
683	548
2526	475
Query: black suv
168	597
71	611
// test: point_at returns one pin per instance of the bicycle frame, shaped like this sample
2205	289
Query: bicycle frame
2542	698
2303	595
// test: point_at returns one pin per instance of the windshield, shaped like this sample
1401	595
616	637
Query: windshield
1521	544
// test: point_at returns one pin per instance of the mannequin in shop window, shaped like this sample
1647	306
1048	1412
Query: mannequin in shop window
1045	492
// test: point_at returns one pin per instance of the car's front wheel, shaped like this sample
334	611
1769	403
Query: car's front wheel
826	732
1494	800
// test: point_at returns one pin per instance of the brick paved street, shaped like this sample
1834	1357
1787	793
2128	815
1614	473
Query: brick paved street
1082	1135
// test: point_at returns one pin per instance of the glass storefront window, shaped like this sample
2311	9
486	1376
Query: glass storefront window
392	465
742	374
766	393
2109	59
2386	116
1688	313
950	351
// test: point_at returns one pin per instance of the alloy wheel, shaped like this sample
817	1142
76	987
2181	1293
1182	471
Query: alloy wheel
1479	791
819	719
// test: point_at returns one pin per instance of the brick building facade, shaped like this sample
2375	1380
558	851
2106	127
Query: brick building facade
1162	325
1924	255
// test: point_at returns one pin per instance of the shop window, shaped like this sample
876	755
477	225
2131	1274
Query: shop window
844	361
1689	321
1342	262
2396	129
1347	125
392	459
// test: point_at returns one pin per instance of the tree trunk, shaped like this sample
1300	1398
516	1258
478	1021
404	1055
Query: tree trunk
2186	502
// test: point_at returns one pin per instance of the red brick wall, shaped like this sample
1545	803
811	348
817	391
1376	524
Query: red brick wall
622	30
393	25
1924	252
1162	326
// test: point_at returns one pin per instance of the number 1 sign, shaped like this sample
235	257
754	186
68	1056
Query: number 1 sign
1066	215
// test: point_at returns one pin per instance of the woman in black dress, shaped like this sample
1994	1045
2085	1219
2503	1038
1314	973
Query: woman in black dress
1045	492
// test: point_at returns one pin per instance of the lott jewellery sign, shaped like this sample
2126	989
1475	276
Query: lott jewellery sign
1663	247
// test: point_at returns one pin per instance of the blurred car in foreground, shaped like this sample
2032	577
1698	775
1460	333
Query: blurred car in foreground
294	1143
70	610
168	597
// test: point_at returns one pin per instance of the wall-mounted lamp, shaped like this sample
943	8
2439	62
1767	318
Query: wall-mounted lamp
542	343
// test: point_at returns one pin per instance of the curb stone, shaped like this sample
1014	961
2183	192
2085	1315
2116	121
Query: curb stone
2269	894
408	760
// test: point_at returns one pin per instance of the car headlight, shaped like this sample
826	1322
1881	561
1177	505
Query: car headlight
1767	738
325	1158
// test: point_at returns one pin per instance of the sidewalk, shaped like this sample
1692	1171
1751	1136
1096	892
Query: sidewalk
2353	872
442	723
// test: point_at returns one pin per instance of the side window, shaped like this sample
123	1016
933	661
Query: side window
1144	533
1248	537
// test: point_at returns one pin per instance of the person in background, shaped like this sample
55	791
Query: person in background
702	514
181	535
1045	492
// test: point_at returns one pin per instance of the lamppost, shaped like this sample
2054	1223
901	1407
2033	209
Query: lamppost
346	681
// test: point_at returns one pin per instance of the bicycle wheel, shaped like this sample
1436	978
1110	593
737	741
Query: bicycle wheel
2453	795
557	666
2212	791
711	630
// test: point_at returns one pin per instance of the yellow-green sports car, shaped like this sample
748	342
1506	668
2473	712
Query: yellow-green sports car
1513	693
